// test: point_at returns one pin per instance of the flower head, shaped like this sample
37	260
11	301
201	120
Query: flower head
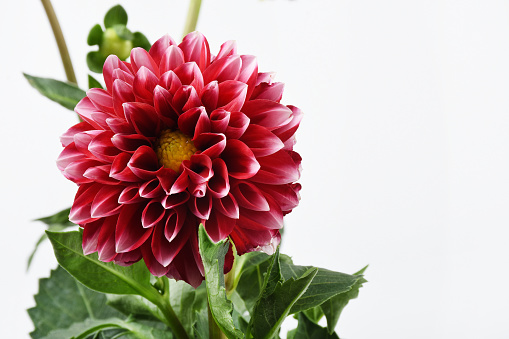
178	138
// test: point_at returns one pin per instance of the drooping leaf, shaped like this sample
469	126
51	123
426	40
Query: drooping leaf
213	255
56	222
277	298
306	329
93	83
98	275
66	94
95	35
116	15
333	307
140	40
95	61
314	314
62	301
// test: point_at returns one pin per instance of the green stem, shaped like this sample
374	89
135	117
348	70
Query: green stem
59	37
214	330
163	303
192	16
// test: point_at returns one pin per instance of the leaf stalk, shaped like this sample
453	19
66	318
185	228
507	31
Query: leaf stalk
192	16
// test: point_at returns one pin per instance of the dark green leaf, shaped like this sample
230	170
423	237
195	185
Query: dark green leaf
95	274
252	277
67	95
140	40
309	330
62	301
213	262
277	299
93	83
115	16
181	297
95	35
95	61
201	325
333	307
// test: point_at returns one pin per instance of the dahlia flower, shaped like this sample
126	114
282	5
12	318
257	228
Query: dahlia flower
178	138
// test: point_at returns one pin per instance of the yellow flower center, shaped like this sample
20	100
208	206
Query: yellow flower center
173	147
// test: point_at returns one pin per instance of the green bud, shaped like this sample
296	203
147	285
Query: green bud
113	44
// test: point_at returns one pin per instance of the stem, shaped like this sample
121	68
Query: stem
214	330
163	303
192	16
59	37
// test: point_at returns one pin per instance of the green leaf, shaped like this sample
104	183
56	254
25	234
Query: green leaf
95	35
314	314
251	279
333	307
306	329
277	298
93	83
123	32
134	305
58	220
201	325
213	262
66	94
95	61
140	40
98	275
62	301
116	15
326	284
181	297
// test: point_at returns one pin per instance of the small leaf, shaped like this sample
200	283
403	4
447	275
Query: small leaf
95	274
31	257
62	301
116	15
181	297
123	32
251	279
93	83
95	61
277	299
314	314
333	307
140	40
201	326
58	220
95	35
66	94
306	329
213	255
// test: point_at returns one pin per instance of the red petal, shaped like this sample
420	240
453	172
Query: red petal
228	206
159	48
228	48
67	156
223	69
106	202
144	83
287	196
129	233
210	144
80	210
210	95
128	258
287	131
185	98
85	109
174	200
190	74
122	93
219	184
194	122
130	195
219	120
76	170
110	65
261	141
171	59
118	125
180	184
167	178
198	168
151	189
277	169
239	159
196	48
200	207
162	104
102	147
106	240
249	72
272	219
219	226
250	197
152	214
68	137
237	125
272	92
129	142
170	81
247	240
120	171
152	264
267	113
141	58
144	163
164	250
101	99
91	235
232	95
175	219
100	174
143	118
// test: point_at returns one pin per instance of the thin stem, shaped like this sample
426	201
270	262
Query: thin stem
192	16
59	37
214	330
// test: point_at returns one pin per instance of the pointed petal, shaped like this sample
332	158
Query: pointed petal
144	83
237	125
171	59
223	69
144	163
239	159
211	144
200	207
143	118
194	122
219	226
152	214
277	169
232	95
141	58
196	48
249	196
219	120
129	232
210	95
266	113
227	206
106	202
261	141
219	184
159	48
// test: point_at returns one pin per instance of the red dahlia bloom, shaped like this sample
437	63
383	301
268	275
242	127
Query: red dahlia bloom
178	138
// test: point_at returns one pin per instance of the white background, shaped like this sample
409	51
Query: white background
405	144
